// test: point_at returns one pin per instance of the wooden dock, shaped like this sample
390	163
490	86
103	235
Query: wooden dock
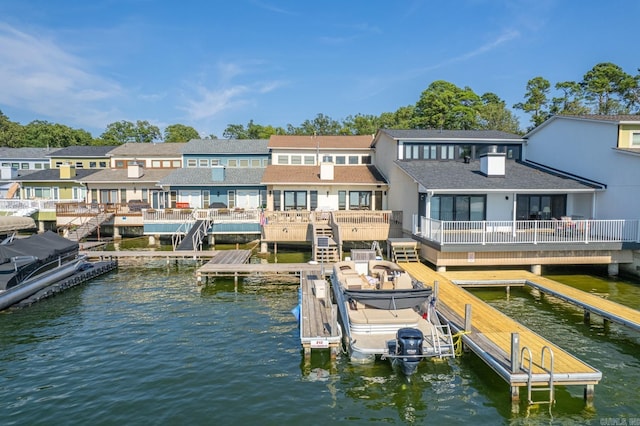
590	303
149	254
501	341
318	316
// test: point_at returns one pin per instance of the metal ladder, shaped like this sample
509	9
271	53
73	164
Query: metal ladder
530	388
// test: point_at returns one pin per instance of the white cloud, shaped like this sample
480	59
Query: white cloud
37	74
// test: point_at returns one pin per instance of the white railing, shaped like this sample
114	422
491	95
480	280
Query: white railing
11	204
213	215
528	231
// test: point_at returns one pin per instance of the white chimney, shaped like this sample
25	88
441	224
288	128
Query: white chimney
493	164
326	171
135	170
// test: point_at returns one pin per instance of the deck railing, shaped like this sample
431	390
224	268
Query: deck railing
528	231
10	204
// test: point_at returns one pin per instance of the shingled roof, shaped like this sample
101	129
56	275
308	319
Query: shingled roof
320	142
433	134
459	176
203	177
226	146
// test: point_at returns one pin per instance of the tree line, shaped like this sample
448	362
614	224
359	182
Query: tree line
606	89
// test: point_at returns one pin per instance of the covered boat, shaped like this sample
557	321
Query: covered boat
29	264
386	314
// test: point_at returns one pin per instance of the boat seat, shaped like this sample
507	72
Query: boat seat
403	281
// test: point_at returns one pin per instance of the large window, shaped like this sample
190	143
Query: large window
295	200
540	207
359	200
424	151
458	207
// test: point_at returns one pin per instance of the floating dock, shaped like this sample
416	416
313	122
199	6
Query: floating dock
590	303
318	316
517	354
149	254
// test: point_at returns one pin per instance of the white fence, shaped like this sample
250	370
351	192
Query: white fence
528	231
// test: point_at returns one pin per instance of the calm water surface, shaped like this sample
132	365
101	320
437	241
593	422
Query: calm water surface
144	345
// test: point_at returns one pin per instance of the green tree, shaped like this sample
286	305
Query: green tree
571	100
360	124
180	133
495	115
235	131
321	125
536	102
43	134
444	105
609	89
11	134
125	131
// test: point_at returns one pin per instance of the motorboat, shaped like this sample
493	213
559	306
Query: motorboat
387	314
28	265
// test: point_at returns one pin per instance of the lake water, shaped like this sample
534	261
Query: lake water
145	345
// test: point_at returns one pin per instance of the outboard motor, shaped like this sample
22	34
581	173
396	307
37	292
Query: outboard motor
409	349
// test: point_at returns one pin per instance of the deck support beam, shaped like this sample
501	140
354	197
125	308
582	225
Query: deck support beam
536	269
589	393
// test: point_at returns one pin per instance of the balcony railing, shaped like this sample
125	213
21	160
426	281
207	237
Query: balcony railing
10	204
528	231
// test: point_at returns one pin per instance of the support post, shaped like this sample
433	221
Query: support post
467	317
536	269
587	317
264	247
589	393
515	367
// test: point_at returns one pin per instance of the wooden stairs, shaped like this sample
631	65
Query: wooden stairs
405	252
88	227
325	248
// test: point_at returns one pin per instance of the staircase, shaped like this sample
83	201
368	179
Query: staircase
405	253
325	248
194	238
88	227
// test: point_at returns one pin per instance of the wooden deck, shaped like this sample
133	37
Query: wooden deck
490	337
149	254
318	316
591	303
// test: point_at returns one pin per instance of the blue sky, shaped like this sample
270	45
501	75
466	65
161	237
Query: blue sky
208	64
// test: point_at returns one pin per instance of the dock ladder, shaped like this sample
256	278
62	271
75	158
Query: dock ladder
530	388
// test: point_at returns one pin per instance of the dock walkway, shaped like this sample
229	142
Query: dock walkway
491	336
591	303
318	316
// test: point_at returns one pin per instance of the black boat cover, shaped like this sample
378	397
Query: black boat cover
390	299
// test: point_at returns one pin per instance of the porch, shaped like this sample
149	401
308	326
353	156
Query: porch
527	242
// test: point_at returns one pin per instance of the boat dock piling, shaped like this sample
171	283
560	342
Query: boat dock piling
318	316
517	354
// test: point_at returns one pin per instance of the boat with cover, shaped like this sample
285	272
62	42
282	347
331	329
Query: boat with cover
385	313
28	265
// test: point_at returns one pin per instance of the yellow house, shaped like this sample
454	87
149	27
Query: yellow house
81	157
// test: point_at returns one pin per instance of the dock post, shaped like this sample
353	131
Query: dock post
589	391
515	365
199	278
587	317
435	291
235	282
467	317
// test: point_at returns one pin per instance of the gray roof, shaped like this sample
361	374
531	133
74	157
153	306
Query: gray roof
444	176
82	151
203	177
226	146
50	175
477	135
121	175
133	149
26	153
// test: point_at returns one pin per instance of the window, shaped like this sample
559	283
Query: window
447	152
313	200
458	207
232	163
327	159
92	164
365	159
296	159
103	164
277	206
340	159
123	195
540	207
176	163
79	165
166	164
155	164
58	164
256	162
342	200
119	164
24	166
231	196
635	139
203	162
192	162
38	166
359	200
283	159
295	200
353	159
244	163
309	160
